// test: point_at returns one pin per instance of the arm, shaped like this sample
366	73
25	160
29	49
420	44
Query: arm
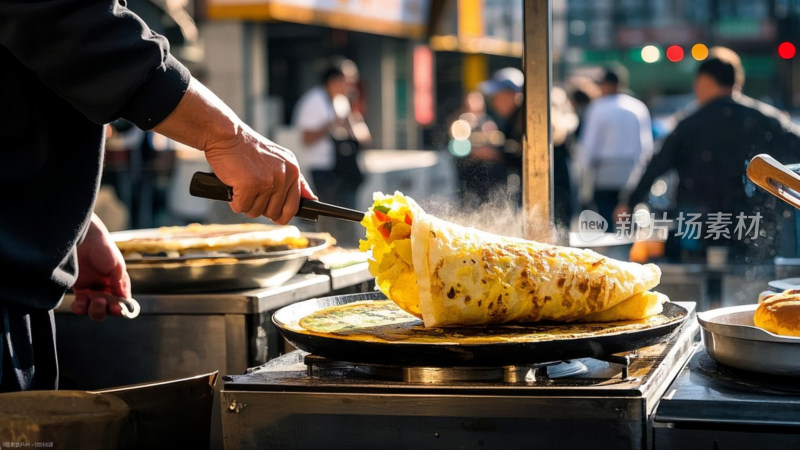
101	268
265	177
97	55
590	139
584	155
103	60
662	161
311	136
314	118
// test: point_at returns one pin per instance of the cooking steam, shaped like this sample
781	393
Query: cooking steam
500	215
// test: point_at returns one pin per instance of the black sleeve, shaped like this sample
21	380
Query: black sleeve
98	55
661	162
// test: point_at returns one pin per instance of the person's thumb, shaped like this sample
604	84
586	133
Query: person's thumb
305	190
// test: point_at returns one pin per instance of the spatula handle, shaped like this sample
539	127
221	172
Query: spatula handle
207	185
775	178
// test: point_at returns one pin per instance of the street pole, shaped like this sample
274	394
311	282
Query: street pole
537	168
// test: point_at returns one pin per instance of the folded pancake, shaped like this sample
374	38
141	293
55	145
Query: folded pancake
450	275
199	239
641	305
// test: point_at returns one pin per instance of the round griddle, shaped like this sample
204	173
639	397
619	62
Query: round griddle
447	346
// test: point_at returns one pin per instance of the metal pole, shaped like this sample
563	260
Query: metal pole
537	147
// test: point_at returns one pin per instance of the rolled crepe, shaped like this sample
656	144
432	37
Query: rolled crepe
451	275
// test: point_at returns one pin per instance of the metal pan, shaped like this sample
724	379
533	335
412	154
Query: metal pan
447	346
224	273
732	339
174	413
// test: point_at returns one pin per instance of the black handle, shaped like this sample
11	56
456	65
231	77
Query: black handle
207	185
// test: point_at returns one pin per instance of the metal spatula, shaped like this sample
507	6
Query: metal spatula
207	185
775	178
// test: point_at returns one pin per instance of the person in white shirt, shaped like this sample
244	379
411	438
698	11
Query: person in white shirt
332	134
616	139
314	117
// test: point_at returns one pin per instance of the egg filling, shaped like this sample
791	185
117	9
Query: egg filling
388	234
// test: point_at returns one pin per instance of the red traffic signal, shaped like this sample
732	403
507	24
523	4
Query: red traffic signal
675	53
786	50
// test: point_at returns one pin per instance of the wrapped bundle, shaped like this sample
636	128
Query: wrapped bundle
451	275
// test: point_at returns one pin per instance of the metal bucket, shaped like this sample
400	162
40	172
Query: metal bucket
62	419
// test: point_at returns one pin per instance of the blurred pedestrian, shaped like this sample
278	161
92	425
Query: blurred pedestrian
474	136
504	91
616	138
710	150
493	169
68	68
565	123
581	91
333	134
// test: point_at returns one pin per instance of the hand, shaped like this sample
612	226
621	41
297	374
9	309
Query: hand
265	177
101	268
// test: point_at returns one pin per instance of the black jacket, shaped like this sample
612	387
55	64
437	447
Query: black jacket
66	68
710	150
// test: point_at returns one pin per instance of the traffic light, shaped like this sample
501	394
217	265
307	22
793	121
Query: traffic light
674	53
786	50
699	51
651	54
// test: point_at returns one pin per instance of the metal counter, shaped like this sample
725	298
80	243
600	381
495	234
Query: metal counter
181	335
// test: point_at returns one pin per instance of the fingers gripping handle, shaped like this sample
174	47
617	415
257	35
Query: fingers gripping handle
207	185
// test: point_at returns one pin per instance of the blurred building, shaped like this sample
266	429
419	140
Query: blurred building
263	55
419	58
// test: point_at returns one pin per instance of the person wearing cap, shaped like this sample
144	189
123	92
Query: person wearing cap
710	150
616	138
504	91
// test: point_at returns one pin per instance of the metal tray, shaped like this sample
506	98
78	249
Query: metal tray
219	273
732	339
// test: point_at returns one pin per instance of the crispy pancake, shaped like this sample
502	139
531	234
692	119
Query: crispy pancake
385	321
197	239
451	275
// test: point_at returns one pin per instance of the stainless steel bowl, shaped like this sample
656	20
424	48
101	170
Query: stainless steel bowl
732	339
218	273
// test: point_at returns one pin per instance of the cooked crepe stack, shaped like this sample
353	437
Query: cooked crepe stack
451	275
212	239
